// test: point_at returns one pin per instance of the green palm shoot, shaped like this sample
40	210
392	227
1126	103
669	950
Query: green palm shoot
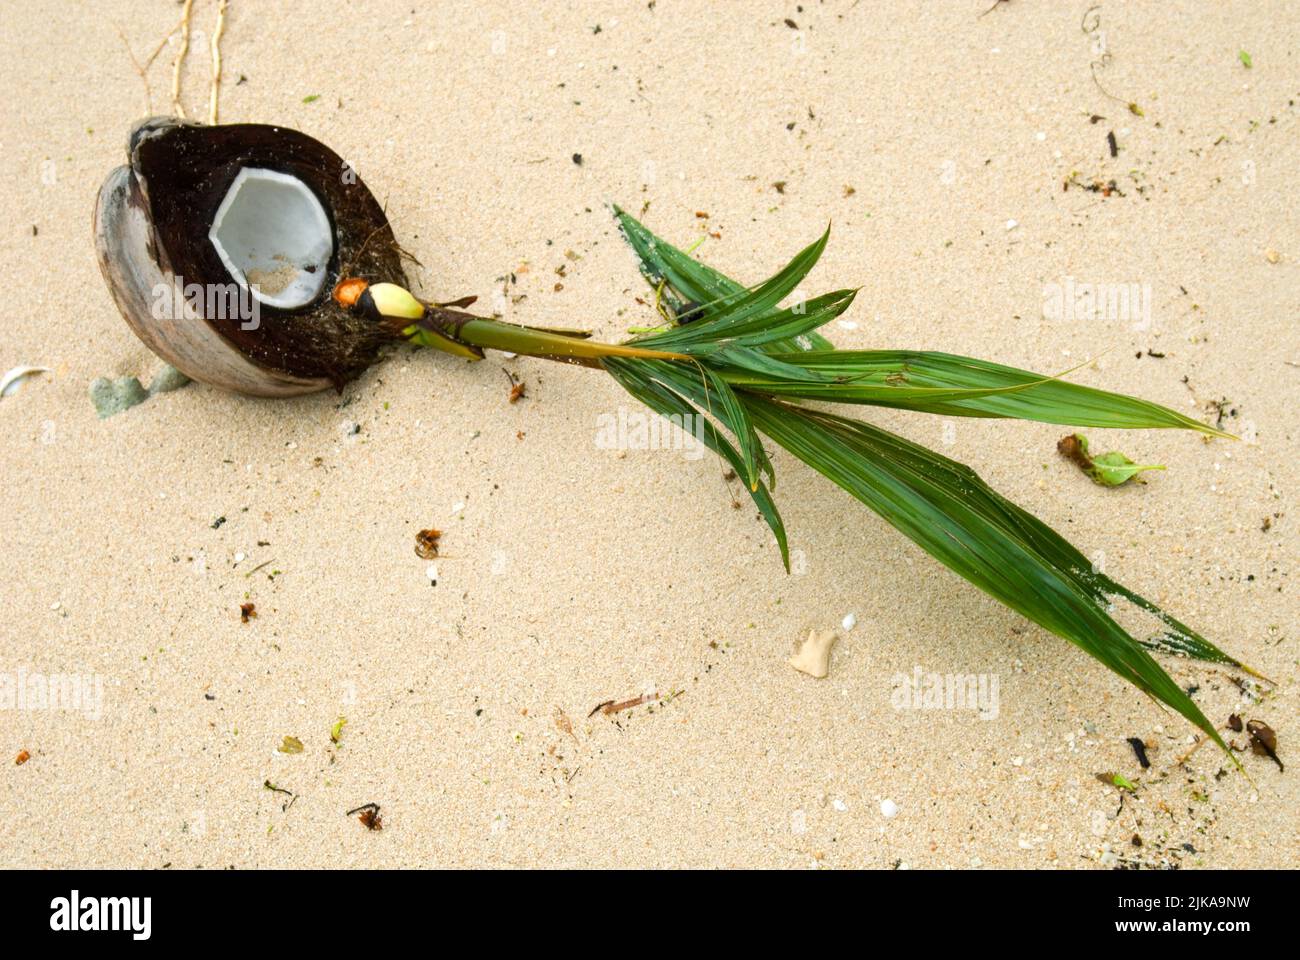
748	366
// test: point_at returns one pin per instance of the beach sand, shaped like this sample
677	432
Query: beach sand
573	575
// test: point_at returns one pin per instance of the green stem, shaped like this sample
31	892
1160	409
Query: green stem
495	335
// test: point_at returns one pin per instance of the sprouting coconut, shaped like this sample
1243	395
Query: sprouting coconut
304	253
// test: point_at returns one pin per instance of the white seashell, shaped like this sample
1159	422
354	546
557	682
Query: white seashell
888	808
11	382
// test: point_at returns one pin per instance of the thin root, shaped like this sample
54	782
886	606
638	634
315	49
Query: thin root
216	62
177	107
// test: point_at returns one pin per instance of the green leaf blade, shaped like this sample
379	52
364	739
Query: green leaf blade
677	274
979	388
948	511
635	376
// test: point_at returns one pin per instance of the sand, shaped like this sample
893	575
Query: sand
937	142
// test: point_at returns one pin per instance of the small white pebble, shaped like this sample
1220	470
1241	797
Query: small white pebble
839	805
1017	761
239	558
431	571
457	508
55	605
1012	224
849	622
889	808
1040	136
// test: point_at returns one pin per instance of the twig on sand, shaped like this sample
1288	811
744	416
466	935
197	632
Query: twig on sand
142	69
610	706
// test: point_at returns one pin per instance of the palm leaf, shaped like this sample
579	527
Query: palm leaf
730	314
664	266
952	514
930	382
741	373
1176	637
632	376
887	378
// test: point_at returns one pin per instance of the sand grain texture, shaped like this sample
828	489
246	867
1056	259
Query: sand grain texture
572	576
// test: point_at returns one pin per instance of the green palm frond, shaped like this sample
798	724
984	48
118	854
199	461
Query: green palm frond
930	382
677	409
746	361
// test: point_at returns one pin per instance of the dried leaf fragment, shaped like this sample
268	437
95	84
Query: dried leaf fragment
611	706
564	724
368	814
426	543
290	745
1263	741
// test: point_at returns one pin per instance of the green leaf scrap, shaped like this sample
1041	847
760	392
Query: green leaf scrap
1109	469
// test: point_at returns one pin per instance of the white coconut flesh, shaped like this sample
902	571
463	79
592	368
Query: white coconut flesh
274	237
